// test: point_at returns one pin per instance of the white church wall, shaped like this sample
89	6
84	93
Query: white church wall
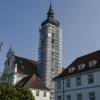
39	94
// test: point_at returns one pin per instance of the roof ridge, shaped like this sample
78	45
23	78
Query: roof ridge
26	58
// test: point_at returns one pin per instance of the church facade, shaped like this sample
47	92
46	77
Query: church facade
49	62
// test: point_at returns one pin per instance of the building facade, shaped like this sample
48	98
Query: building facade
40	94
23	72
16	68
37	87
80	80
50	50
49	62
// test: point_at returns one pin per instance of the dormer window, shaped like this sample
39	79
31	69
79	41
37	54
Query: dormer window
92	63
81	66
71	69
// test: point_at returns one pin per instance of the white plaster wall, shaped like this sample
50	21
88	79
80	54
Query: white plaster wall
41	97
84	92
56	87
17	78
85	88
84	81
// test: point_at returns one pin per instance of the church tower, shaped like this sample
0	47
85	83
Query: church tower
50	50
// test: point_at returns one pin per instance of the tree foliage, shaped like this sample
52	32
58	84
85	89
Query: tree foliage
11	92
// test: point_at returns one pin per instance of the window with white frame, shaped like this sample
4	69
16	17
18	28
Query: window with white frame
68	97
78	81
90	78
44	93
92	63
71	69
81	66
92	96
79	96
37	93
59	84
68	82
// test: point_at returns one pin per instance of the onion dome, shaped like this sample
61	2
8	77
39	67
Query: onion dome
50	18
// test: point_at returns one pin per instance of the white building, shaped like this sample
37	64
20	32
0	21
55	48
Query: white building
50	50
38	88
80	80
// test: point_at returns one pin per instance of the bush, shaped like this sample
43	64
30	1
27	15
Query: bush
11	92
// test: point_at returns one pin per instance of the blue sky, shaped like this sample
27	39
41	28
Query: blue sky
20	21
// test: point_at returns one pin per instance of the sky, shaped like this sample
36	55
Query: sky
20	21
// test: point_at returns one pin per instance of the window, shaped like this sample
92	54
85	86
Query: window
92	96
52	59
52	93
68	97
37	93
79	96
71	69
78	81
81	66
53	46
53	34
52	53
92	63
59	84
44	94
52	40
68	82
90	78
59	98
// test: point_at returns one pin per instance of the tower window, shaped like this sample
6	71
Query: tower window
52	53
52	40
53	46
53	34
52	59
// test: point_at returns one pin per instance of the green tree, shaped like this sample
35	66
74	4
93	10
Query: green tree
11	92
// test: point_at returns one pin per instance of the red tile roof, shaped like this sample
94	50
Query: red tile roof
32	82
82	60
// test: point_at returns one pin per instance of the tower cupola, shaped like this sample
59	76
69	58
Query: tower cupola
50	18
